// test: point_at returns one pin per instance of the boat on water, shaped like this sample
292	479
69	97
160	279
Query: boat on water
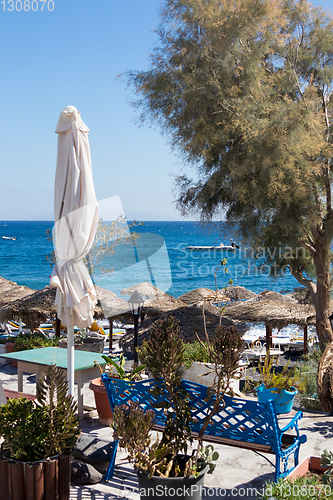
221	246
9	238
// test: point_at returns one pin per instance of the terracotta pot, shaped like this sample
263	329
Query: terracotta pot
308	464
102	401
10	348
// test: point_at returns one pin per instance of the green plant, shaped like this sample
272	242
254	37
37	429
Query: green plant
272	379
308	373
26	341
308	487
195	351
163	355
48	426
327	461
134	374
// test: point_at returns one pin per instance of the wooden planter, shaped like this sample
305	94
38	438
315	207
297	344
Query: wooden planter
43	480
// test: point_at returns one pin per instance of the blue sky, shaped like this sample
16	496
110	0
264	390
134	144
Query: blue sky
72	56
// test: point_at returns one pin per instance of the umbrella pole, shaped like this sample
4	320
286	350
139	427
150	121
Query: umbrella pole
70	360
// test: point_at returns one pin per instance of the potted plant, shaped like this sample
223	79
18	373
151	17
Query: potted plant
281	387
85	341
199	368
164	465
38	438
116	368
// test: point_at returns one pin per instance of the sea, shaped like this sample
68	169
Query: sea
160	256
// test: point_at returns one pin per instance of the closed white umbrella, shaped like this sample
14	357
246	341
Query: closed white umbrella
76	217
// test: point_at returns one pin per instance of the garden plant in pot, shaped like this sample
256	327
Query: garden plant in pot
38	438
281	387
166	466
115	367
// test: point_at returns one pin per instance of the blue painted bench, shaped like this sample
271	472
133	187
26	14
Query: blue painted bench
240	422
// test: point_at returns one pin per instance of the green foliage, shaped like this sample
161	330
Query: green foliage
327	461
308	487
34	430
308	373
244	91
272	379
134	374
164	357
26	341
195	351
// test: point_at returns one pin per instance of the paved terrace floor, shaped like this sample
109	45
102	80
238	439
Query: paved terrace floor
239	474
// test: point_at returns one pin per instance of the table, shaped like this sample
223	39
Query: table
36	361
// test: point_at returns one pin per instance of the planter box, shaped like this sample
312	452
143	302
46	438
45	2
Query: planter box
193	374
308	464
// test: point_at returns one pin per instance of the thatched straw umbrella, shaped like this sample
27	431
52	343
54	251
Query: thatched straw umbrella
191	322
275	310
33	309
156	301
235	293
200	294
9	291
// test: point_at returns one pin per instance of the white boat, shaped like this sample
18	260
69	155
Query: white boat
221	246
9	238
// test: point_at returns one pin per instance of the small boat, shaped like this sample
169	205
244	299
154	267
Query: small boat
221	246
9	238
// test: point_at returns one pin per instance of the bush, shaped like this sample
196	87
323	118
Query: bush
26	341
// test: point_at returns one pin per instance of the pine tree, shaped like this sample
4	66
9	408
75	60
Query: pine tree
243	89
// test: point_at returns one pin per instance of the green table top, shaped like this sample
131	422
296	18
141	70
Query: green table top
57	356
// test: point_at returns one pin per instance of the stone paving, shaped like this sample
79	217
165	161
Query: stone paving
240	474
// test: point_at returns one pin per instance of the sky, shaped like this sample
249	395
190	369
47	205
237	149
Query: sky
70	53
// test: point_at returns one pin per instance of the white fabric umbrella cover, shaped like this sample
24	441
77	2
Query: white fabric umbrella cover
76	218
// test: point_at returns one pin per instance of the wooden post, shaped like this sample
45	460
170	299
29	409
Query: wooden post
110	335
305	340
57	327
268	338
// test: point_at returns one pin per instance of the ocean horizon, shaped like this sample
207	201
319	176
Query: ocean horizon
161	258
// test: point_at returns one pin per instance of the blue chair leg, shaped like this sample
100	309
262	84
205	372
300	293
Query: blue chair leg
110	471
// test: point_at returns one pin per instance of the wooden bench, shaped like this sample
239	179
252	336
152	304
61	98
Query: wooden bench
242	423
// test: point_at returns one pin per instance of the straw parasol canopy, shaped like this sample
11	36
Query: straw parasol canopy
274	309
33	309
9	291
109	305
156	301
191	322
236	293
38	306
202	294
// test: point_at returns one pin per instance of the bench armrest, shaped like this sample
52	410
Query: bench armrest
292	422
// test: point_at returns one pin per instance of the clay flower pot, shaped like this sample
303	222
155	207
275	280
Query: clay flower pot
102	401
